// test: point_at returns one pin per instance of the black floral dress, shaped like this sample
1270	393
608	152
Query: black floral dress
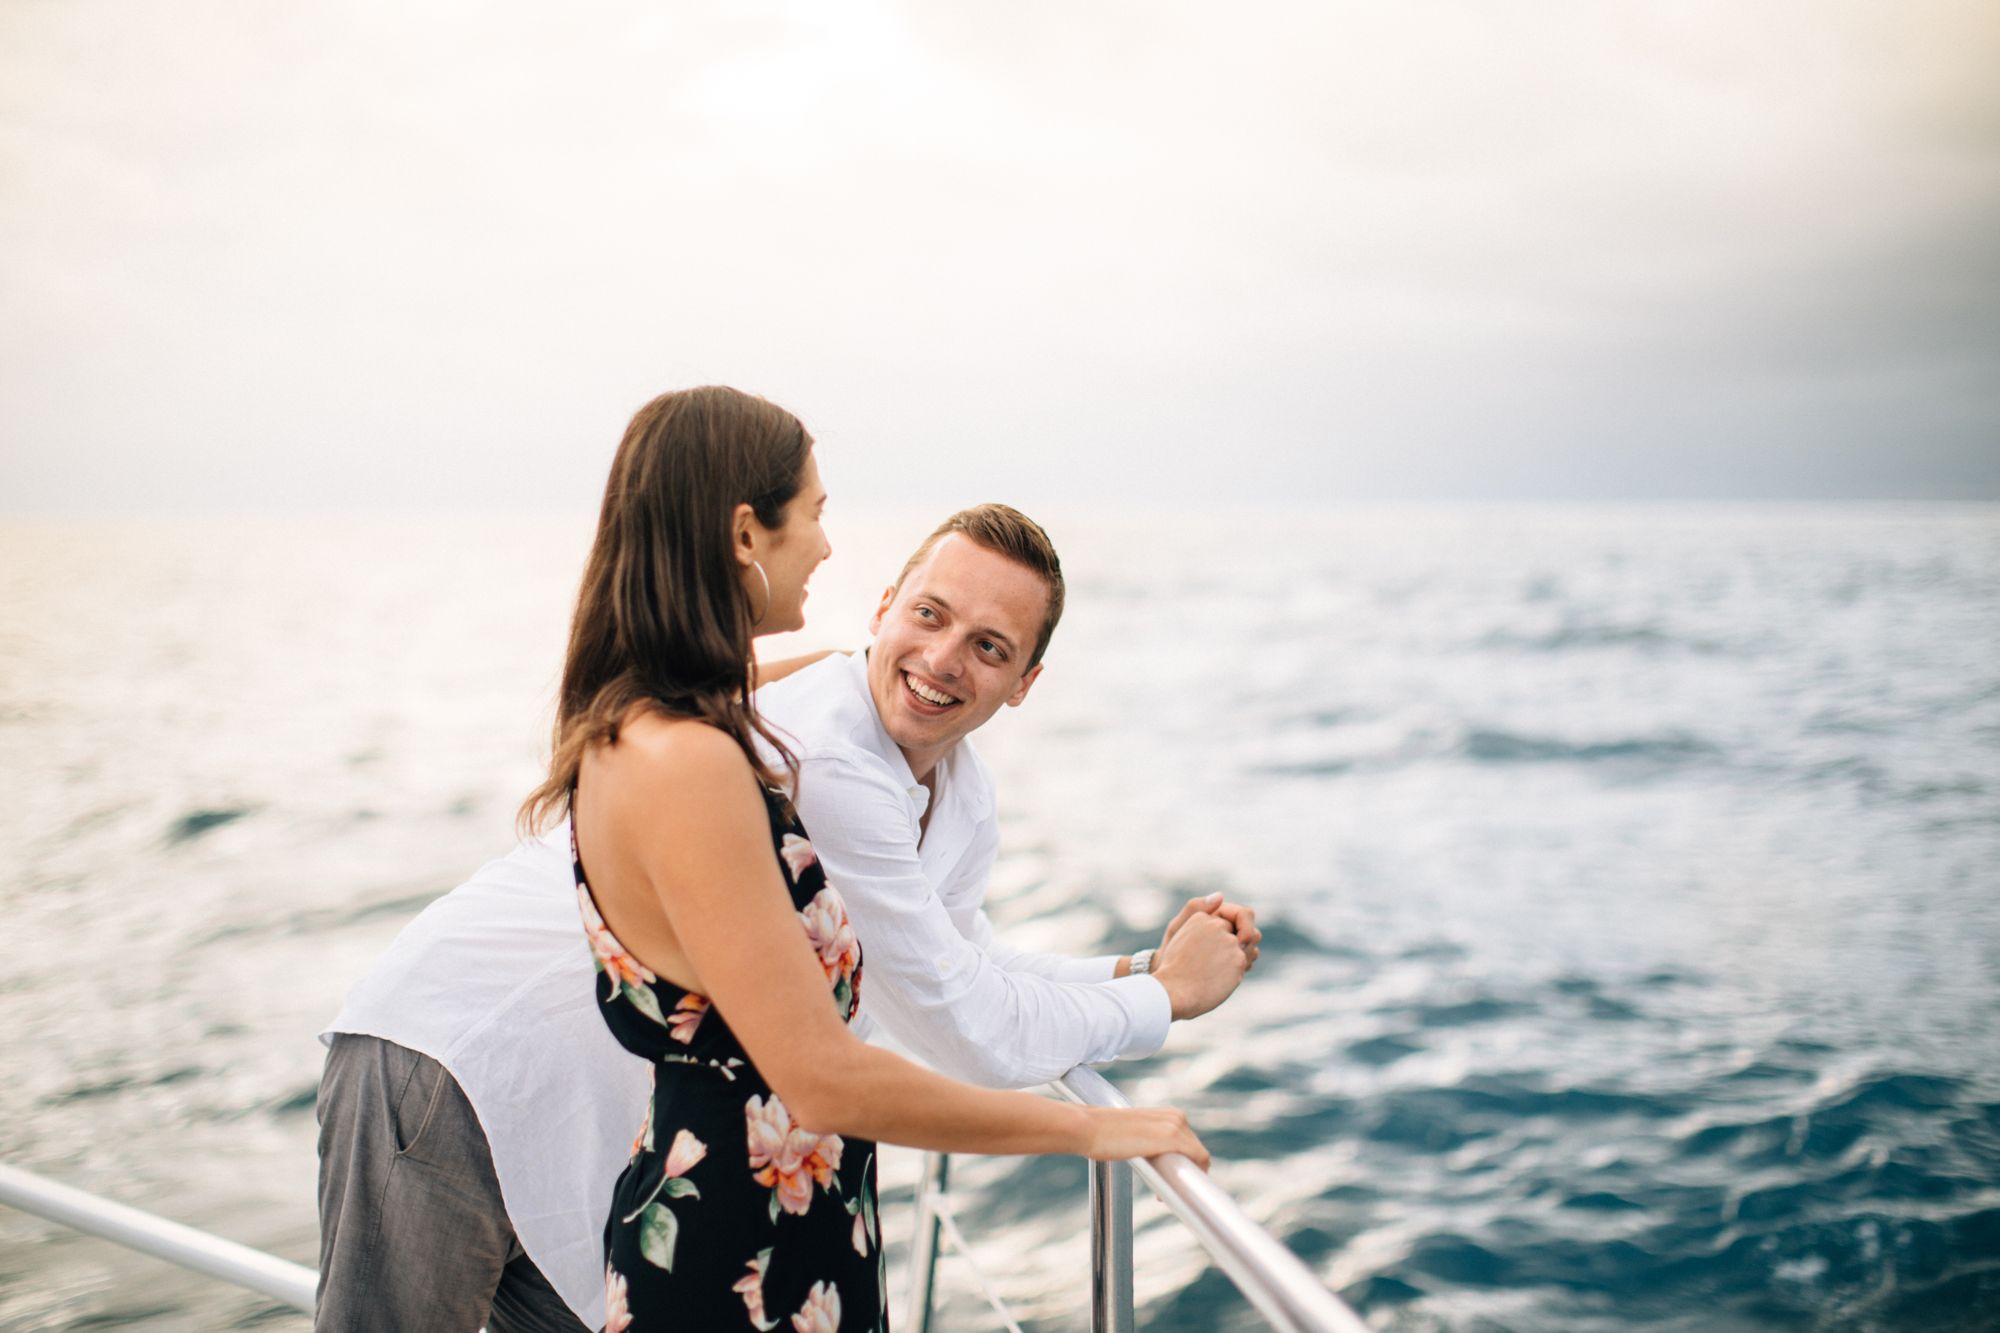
730	1215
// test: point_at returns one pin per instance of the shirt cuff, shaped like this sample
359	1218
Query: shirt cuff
1104	966
1152	1014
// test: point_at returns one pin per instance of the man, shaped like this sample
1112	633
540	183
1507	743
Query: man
475	1111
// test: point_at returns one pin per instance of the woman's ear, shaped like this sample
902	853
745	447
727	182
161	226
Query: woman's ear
743	534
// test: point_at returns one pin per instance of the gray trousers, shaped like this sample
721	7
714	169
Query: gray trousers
413	1236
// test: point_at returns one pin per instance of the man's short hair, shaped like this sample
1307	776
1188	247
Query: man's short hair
1005	531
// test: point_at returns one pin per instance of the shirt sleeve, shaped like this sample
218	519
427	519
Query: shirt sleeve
964	894
936	990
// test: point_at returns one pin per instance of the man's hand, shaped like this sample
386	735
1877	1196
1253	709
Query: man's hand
1241	919
1200	963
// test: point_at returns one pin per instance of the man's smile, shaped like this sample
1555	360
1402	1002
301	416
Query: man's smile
930	696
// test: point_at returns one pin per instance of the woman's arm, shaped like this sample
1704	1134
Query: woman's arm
763	673
687	818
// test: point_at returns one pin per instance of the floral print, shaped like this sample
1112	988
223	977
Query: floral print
617	1310
789	1159
686	1017
644	1141
751	1287
797	854
612	959
718	1220
862	1206
686	1152
659	1225
821	1312
628	976
833	940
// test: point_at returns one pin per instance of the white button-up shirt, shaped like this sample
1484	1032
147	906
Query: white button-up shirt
495	980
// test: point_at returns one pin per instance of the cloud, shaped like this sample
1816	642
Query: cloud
433	255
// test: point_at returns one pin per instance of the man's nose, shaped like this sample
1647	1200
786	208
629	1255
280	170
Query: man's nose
943	660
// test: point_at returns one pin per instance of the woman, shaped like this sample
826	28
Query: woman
750	1196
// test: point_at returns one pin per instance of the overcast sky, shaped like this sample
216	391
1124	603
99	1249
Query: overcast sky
273	256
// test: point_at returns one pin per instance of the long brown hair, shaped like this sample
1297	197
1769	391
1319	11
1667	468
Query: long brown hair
663	619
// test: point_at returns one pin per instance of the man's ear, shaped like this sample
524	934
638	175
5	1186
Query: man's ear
881	609
741	535
1021	691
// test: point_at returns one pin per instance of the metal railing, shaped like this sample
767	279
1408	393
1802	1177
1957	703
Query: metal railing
283	1281
1274	1280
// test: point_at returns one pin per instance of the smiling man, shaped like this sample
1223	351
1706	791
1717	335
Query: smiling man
902	813
962	631
475	1111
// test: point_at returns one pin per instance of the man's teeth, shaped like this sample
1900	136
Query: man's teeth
927	694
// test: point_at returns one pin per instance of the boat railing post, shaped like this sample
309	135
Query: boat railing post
931	1184
1110	1247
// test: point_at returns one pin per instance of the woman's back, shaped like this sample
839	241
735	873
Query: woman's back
730	1212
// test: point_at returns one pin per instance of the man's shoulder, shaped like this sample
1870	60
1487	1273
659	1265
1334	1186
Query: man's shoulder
825	716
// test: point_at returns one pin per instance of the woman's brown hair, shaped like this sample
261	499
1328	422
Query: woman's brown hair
663	618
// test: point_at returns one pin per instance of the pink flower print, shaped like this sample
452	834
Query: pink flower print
617	1313
686	1017
686	1151
751	1288
620	966
825	1158
821	1312
860	1235
832	935
644	1141
798	854
785	1157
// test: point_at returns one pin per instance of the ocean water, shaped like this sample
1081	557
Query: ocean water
1628	874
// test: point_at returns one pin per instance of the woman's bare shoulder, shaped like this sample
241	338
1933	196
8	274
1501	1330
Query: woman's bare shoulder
655	748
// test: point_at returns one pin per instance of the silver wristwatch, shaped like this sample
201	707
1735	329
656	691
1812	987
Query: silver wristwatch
1142	962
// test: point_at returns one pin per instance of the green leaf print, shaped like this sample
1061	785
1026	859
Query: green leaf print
677	1187
774	1207
843	995
659	1229
645	1002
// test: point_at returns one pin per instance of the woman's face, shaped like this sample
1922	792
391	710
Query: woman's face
789	554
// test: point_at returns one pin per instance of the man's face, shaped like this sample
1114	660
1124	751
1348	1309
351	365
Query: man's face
952	645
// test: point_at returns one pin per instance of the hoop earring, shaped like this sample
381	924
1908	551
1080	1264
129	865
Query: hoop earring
758	566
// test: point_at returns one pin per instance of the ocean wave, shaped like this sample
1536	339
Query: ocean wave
195	823
1871	1267
1491	746
1643	638
1440	1119
1495	746
1829	1128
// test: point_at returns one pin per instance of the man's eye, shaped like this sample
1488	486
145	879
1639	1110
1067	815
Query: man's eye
988	646
926	613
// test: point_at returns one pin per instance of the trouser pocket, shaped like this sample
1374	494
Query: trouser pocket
419	1086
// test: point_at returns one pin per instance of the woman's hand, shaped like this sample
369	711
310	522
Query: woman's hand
1117	1133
